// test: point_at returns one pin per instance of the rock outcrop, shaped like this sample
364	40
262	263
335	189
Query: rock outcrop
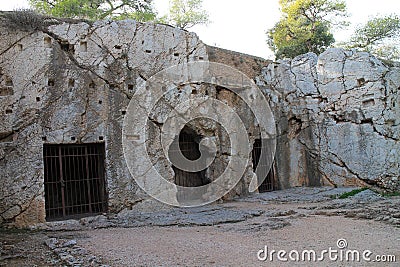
70	82
338	119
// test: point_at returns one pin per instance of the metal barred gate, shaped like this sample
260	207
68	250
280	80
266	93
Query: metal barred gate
74	180
268	183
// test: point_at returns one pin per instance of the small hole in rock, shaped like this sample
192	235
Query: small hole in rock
47	42
101	138
4	91
176	54
201	58
118	47
367	120
37	99
148	51
44	138
360	82
83	46
71	83
9	82
123	112
9	111
73	138
390	122
50	82
100	102
130	87
368	103
67	47
92	85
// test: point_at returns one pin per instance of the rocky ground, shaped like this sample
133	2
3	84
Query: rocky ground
227	234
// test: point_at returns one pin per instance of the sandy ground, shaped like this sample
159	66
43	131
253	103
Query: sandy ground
229	234
231	245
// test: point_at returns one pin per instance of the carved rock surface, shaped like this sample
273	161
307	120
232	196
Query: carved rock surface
337	115
70	83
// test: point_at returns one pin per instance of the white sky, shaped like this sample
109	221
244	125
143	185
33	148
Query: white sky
241	25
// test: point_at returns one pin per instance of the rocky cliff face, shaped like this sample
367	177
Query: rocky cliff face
337	115
338	119
71	83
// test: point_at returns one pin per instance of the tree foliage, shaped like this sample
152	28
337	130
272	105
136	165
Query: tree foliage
186	14
96	9
305	26
379	36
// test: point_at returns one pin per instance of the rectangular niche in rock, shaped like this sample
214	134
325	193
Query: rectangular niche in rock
6	91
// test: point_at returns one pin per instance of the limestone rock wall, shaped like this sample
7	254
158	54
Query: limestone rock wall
71	83
337	115
338	119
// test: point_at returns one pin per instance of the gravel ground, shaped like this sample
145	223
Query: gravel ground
230	246
228	234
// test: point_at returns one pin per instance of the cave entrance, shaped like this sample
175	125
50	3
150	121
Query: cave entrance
74	180
268	183
189	146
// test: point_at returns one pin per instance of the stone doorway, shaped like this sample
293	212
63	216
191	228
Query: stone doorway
268	183
74	180
189	146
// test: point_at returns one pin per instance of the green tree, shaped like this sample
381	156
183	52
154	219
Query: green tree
186	14
379	36
305	26
96	9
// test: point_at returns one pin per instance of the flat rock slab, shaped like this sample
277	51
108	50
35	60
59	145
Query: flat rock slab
200	216
298	194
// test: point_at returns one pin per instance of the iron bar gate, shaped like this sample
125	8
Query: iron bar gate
74	180
268	183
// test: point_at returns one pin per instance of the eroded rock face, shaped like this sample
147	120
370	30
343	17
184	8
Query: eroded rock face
71	83
337	117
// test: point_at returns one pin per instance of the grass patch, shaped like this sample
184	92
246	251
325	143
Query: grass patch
352	193
387	194
390	194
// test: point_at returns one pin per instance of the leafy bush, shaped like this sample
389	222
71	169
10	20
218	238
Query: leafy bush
26	20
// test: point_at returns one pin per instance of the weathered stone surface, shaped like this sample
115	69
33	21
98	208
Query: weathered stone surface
70	84
337	114
338	119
